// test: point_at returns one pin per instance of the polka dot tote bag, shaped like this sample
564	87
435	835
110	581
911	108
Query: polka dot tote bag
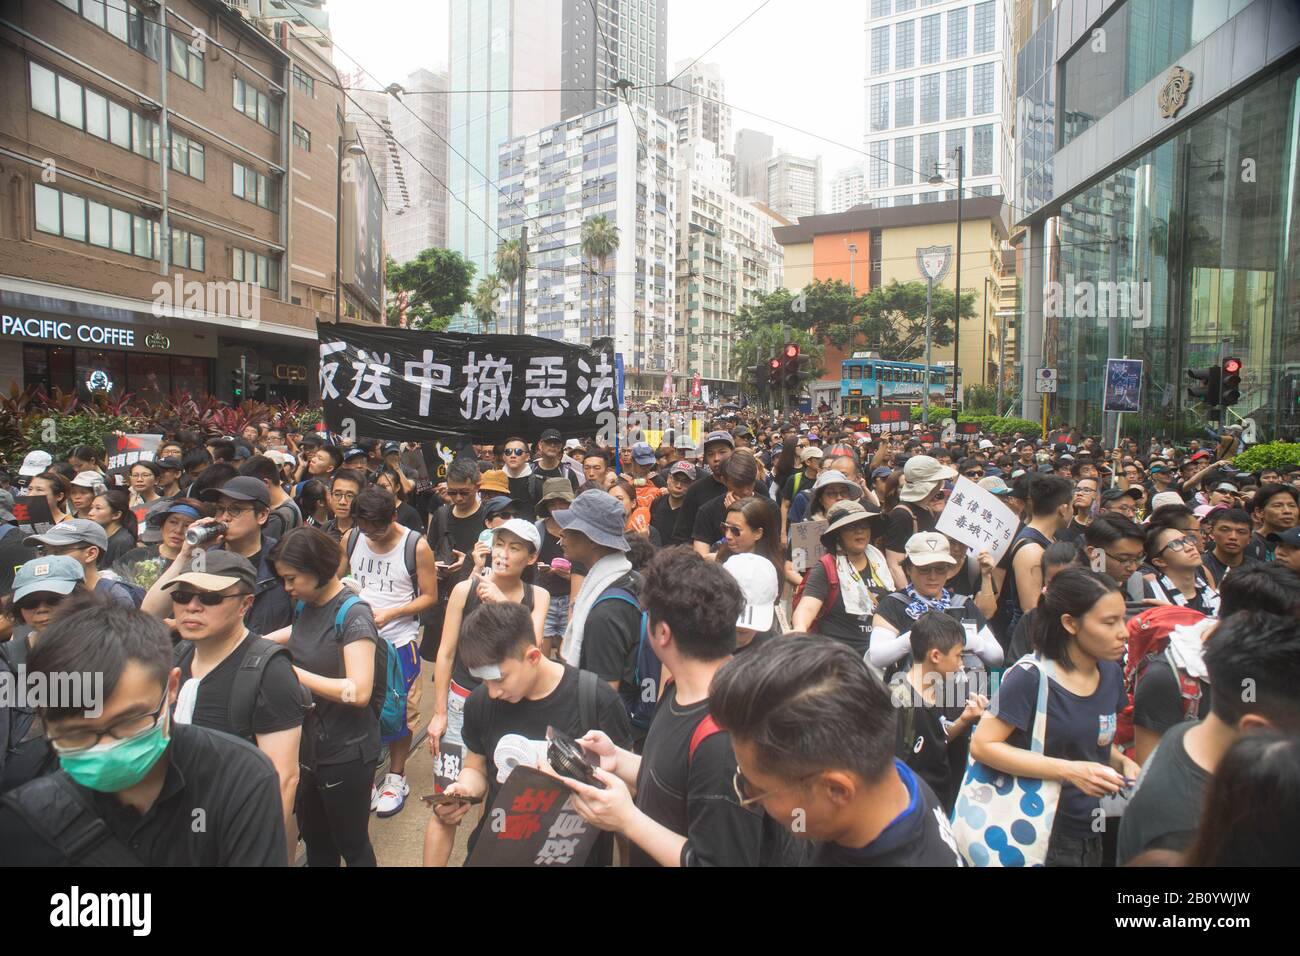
1001	819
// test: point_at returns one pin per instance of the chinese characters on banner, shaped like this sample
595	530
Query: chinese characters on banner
32	514
123	451
532	823
886	419
403	385
976	517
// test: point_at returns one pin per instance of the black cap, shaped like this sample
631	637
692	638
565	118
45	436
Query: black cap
243	488
551	435
1114	494
391	447
169	462
354	452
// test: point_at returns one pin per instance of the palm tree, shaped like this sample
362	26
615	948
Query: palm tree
484	301
509	259
599	242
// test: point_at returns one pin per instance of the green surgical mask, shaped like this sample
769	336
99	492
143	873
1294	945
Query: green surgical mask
110	767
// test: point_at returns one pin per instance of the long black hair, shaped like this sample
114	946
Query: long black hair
1074	592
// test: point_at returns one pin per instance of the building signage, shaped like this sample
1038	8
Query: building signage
291	373
56	330
1174	93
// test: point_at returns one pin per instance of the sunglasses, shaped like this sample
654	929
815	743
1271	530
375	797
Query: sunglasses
516	451
206	598
45	600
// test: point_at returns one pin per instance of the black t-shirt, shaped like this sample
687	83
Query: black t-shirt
488	720
1072	532
232	782
459	672
922	743
709	521
282	519
13	555
1165	812
899	526
1078	728
555	585
1158	698
464	535
343	732
695	796
408	517
119	543
701	491
795	484
279	697
610	638
663	518
1221	570
836	622
919	836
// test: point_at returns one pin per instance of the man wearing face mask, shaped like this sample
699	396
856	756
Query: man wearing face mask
232	679
132	784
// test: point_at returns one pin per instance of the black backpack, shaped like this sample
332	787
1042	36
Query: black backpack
56	810
248	680
22	736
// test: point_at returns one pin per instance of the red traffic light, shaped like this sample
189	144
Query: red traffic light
1231	366
774	363
791	351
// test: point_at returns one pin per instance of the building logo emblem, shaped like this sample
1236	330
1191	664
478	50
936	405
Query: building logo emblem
932	261
156	340
1174	93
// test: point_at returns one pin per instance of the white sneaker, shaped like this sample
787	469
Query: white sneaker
374	798
392	796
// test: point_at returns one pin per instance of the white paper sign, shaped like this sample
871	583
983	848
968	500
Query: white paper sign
976	517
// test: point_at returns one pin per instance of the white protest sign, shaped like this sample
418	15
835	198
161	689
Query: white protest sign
977	518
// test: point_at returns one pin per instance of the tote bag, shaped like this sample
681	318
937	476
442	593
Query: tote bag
1001	819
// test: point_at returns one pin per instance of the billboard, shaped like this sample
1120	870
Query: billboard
363	226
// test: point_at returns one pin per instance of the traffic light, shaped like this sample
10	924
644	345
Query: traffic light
237	384
252	384
1230	382
775	373
1209	391
796	368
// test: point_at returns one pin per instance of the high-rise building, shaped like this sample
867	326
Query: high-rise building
188	233
367	111
749	175
794	185
697	103
727	256
615	162
938	77
848	188
418	219
610	40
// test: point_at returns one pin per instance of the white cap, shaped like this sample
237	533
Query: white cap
928	547
985	443
572	443
1166	498
757	579
521	529
35	463
90	479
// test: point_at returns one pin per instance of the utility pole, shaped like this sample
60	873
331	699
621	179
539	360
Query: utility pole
956	284
523	277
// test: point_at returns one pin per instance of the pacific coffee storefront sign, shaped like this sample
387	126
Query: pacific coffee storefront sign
58	330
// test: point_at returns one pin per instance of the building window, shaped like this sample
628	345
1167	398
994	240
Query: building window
251	185
929	143
301	138
985	14
982	151
84	220
981	100
304	81
905	45
956	33
246	266
930	39
187	156
256	105
69	102
877	170
955	106
903	161
879	8
880	107
183	61
903	103
879	50
930	98
187	250
955	139
902	6
123	21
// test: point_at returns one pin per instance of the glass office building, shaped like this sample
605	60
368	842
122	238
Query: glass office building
1159	184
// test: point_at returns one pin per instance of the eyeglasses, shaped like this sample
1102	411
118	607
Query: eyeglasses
343	495
75	741
1178	544
516	451
973	474
741	787
459	492
45	600
231	511
206	598
1125	561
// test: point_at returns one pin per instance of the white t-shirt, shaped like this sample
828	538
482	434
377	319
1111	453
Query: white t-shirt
385	583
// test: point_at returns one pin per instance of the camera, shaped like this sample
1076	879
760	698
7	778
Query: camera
567	758
198	536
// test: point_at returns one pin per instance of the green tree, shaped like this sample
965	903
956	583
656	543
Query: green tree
433	286
486	300
759	336
890	320
509	264
599	242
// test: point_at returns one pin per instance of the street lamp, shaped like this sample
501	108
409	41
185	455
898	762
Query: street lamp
853	251
354	148
937	180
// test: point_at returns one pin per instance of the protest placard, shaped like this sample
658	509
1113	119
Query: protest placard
532	823
976	517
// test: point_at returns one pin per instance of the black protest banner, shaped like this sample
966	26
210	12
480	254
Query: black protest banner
885	419
404	385
32	514
531	823
124	450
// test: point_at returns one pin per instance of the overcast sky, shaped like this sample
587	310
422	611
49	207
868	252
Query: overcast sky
799	62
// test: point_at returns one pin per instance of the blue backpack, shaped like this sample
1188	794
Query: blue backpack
392	691
640	709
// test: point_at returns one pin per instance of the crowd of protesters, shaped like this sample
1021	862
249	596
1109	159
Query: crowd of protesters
321	604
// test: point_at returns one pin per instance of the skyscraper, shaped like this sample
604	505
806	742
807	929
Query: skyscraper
848	188
608	40
697	103
419	122
794	185
937	78
749	175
